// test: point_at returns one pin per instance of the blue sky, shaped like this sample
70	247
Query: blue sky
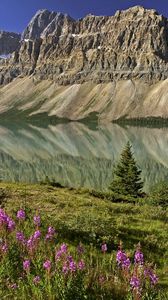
15	14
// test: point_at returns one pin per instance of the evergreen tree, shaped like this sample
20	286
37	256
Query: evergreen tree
127	180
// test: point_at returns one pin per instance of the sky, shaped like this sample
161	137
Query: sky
16	14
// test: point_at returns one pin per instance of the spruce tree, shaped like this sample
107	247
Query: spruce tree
127	180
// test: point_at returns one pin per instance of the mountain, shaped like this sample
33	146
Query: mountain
9	42
111	66
45	23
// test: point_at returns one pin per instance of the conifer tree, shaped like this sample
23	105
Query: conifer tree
127	180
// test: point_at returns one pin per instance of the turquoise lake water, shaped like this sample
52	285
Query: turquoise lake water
75	154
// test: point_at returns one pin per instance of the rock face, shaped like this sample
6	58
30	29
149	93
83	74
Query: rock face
43	23
131	45
9	42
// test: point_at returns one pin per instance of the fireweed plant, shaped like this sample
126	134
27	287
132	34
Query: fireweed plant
34	264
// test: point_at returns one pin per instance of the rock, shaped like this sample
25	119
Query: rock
9	42
37	25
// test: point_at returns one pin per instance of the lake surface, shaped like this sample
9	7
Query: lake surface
77	155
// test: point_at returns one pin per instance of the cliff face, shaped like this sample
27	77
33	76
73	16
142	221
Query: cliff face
131	45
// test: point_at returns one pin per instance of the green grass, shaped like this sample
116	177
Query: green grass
78	216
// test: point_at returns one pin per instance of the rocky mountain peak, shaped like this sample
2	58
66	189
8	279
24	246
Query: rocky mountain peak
130	44
139	10
60	24
44	23
37	24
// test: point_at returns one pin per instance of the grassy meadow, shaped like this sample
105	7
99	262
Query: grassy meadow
80	216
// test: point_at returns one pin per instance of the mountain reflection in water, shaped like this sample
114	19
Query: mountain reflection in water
78	155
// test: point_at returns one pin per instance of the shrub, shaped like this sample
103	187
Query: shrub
159	194
113	197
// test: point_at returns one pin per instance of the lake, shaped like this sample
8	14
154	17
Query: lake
80	155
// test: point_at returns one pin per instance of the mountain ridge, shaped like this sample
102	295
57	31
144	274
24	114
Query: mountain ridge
9	42
101	48
127	49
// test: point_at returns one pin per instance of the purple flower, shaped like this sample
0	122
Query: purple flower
63	248
120	256
122	260
48	237
65	268
154	278
4	248
72	266
69	258
58	255
21	214
146	272
13	286
36	235
104	248
30	243
81	265
126	263
50	233
26	265
80	249
3	217
151	275
51	230
47	265
36	279
134	282
37	220
6	221
61	251
20	237
10	224
139	258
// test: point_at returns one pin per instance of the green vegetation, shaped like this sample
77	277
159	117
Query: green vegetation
127	179
97	220
159	195
36	264
80	216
